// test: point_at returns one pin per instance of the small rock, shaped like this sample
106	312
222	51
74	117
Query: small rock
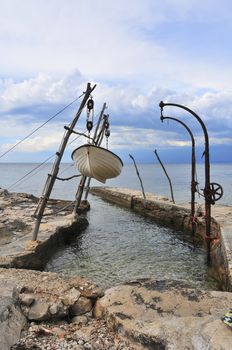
58	331
57	308
82	306
71	296
39	311
26	299
82	320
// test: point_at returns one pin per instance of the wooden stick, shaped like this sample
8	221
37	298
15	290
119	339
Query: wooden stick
144	196
169	180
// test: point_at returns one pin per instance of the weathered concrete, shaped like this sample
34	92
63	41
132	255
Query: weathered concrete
59	226
167	315
165	212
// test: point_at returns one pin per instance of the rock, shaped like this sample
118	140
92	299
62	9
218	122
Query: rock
92	292
98	311
58	331
71	296
168	315
26	299
57	309
39	311
11	322
82	306
82	319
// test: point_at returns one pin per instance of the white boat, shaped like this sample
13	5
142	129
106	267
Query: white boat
97	162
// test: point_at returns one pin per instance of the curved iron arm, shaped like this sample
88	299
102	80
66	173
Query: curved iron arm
193	172
207	171
207	163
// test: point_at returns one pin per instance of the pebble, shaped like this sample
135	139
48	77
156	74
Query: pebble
93	335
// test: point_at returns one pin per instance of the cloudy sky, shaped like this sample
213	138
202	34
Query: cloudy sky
137	52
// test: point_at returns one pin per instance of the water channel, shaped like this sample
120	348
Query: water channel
120	245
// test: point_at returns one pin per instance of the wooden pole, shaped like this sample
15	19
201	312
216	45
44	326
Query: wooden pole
137	172
169	180
52	177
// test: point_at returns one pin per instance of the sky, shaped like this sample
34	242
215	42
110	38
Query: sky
137	53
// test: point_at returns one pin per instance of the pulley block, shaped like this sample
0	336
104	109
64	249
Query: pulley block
89	125
106	125
107	132
90	104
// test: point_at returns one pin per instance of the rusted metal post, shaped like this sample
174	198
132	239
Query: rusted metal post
137	172
52	177
207	191
193	170
169	180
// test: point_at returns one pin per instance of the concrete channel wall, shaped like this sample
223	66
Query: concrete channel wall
166	213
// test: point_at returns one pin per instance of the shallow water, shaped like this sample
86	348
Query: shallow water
120	245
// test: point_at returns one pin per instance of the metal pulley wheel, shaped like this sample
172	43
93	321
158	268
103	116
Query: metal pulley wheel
90	104
215	192
107	132
89	125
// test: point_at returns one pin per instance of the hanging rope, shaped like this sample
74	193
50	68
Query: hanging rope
67	178
25	177
39	127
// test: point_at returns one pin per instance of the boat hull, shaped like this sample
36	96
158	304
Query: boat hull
97	162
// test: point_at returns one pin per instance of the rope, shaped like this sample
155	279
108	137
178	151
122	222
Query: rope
45	161
67	178
58	211
39	127
38	166
69	166
42	164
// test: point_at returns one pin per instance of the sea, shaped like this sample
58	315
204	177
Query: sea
118	244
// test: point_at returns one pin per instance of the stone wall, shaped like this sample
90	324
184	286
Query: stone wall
166	213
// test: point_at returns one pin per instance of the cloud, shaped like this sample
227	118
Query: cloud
145	43
40	90
134	114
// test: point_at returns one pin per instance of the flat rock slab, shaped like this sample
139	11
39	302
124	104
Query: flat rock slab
11	322
168	315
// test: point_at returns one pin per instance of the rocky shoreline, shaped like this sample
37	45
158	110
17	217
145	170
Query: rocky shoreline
54	311
49	311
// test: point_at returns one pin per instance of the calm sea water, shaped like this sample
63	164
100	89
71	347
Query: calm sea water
152	175
120	245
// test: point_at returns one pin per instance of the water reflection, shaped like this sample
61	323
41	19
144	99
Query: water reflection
119	245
